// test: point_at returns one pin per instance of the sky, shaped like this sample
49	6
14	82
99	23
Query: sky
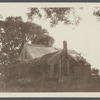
83	38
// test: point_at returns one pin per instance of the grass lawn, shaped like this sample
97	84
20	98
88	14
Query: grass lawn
27	85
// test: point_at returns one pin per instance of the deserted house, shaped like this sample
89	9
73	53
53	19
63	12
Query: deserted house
62	63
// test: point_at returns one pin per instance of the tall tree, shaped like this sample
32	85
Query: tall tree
14	33
55	15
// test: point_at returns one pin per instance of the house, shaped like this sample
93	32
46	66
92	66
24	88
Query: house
61	62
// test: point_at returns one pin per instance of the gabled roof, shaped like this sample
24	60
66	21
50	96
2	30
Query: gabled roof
38	51
55	55
45	52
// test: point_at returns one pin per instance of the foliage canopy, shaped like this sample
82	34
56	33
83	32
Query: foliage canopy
14	33
54	14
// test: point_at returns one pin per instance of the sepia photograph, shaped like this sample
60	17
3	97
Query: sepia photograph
46	47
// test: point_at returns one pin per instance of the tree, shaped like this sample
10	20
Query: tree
14	33
55	15
95	71
97	14
45	39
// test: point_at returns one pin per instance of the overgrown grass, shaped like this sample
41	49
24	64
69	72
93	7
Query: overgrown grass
30	76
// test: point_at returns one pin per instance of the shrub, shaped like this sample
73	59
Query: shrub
26	69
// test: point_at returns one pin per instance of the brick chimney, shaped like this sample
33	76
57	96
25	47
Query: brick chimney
66	60
65	47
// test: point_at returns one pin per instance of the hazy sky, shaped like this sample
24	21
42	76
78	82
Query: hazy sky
84	38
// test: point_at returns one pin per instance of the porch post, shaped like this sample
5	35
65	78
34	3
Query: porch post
68	70
60	72
51	69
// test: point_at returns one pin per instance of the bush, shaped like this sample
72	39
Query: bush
26	69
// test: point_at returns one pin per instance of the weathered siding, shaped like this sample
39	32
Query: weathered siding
86	70
77	70
82	70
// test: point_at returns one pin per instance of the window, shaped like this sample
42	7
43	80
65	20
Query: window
26	55
55	68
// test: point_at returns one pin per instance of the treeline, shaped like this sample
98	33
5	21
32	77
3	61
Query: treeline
14	32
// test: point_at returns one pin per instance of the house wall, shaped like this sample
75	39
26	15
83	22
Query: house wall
77	70
50	71
86	70
59	67
74	69
82	70
53	71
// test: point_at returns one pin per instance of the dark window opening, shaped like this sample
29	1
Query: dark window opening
72	69
55	68
26	55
